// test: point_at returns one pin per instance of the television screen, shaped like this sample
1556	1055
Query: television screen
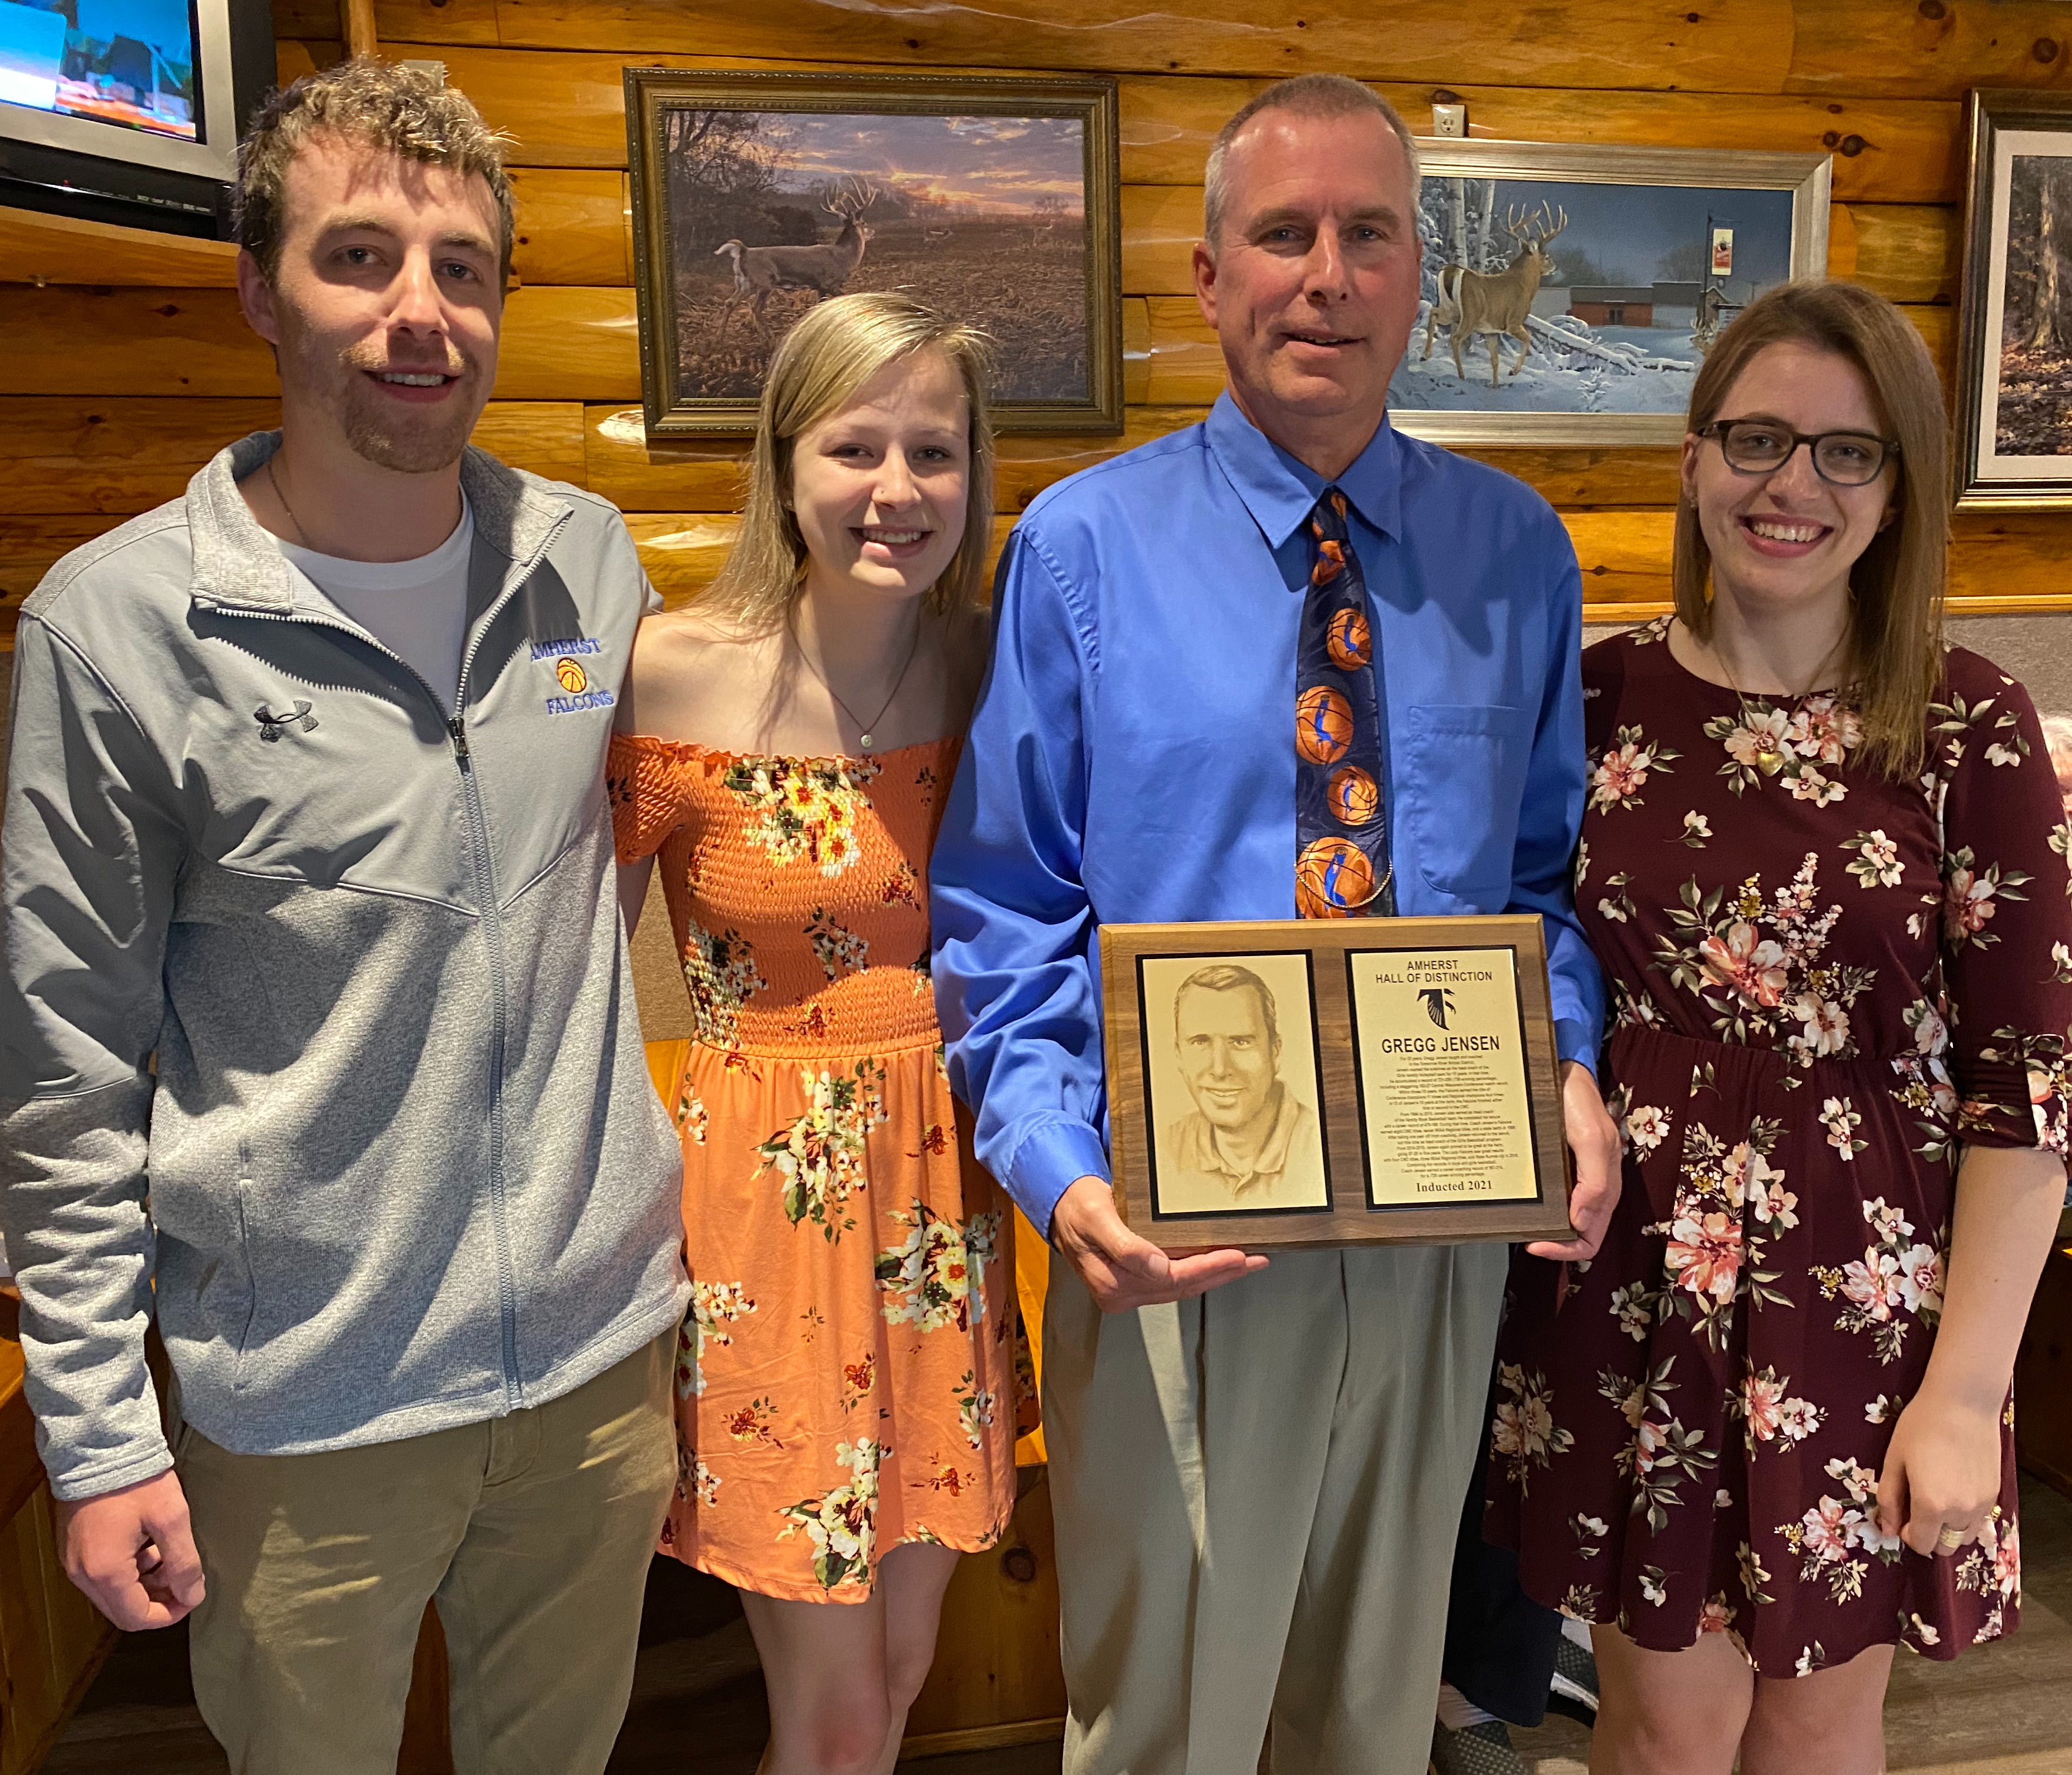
130	62
128	111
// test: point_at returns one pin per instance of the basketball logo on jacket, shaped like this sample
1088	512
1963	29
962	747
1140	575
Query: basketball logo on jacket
1323	725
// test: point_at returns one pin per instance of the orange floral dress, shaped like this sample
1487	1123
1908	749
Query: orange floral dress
846	1378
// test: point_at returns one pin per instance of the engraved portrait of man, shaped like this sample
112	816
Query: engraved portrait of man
1249	1142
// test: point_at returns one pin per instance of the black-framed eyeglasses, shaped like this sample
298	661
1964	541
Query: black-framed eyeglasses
1762	446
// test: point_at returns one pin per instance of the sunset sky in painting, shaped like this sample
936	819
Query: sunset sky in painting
1000	163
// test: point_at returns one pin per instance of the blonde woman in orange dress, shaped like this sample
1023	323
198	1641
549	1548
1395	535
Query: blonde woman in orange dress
845	1381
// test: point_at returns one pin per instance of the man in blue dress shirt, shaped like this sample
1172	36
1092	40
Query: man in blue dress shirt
1256	1488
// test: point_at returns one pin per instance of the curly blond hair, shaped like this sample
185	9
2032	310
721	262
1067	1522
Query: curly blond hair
404	110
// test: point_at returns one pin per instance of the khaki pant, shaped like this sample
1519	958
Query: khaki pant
534	1532
1257	1494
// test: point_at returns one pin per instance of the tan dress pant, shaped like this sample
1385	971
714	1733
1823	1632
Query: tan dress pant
534	1532
1257	1495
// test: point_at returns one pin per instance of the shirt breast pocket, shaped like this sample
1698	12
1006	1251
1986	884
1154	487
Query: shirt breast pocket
1462	773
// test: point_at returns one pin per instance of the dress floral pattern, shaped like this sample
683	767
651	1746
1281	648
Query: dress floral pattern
1824	984
846	1375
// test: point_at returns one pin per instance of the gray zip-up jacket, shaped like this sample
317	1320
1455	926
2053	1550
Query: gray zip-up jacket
400	1166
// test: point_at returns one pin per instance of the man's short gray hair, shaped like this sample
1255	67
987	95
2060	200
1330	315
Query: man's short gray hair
1306	95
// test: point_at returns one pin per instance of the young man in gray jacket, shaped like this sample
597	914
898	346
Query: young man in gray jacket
317	1038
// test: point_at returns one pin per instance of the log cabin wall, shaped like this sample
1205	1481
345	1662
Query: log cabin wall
123	363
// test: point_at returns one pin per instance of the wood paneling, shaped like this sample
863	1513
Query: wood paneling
566	109
559	343
996	1679
66	339
1897	48
1929	48
572	226
57	249
68	455
1732	45
1907	253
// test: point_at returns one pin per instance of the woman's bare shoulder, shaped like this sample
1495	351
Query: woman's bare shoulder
686	665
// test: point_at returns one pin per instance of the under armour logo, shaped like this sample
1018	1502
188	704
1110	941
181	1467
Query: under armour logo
273	726
1438	1001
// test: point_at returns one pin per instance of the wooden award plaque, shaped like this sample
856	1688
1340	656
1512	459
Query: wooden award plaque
1333	1082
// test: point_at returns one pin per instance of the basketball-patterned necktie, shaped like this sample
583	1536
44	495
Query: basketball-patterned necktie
1341	866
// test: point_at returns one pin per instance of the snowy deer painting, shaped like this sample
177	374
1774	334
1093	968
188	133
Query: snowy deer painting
1495	304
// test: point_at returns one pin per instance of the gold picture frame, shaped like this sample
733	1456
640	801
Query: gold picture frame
1387	1080
756	195
2020	160
1604	196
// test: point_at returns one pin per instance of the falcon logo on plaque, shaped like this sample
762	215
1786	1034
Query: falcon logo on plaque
1333	1082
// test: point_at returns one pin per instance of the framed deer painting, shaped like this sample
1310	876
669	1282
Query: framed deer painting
757	196
1571	291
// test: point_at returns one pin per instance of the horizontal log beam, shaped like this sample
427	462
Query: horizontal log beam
573	227
35	248
559	343
73	454
1737	45
566	108
1900	48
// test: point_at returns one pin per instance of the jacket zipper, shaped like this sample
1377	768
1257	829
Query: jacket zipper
492	926
492	933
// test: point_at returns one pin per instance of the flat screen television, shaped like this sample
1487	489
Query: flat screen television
128	111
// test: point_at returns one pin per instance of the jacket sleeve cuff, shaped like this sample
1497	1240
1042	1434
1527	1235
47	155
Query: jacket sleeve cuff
96	1478
1576	1040
1052	1156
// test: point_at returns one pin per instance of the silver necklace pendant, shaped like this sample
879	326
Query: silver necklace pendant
865	742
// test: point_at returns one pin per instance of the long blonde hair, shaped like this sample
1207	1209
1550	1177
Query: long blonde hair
823	360
1896	588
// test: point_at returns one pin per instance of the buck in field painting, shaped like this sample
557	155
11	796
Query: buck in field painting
1570	292
754	210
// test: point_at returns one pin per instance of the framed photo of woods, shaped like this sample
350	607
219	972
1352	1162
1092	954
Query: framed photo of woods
757	196
2014	336
1571	290
1315	1082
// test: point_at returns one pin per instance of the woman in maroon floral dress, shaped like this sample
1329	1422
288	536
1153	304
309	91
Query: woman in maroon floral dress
1764	1435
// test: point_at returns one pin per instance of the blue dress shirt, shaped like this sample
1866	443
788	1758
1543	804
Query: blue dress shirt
1133	756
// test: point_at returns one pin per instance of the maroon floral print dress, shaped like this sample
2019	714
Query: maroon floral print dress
1824	984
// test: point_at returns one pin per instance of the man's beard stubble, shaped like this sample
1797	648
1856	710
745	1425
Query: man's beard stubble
405	439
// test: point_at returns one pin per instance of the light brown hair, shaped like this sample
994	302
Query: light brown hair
405	111
823	360
1896	587
1306	95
